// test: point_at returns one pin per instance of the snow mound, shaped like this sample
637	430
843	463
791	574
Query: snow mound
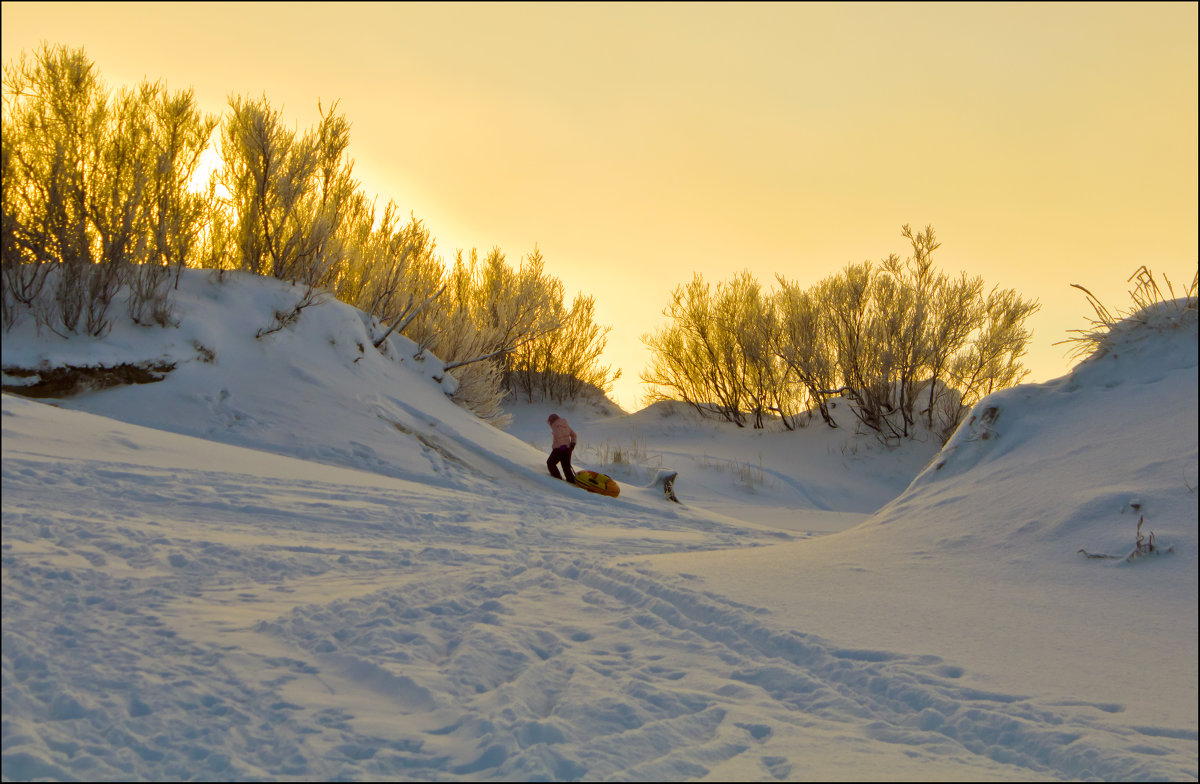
978	560
315	388
1144	324
1071	464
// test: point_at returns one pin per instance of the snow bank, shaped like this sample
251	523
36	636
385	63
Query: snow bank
978	560
1073	463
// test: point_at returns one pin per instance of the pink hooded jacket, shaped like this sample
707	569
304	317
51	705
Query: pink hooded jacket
563	434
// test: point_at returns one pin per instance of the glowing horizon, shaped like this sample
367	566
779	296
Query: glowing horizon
1048	144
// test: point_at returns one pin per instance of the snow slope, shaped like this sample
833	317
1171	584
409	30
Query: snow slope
978	560
295	558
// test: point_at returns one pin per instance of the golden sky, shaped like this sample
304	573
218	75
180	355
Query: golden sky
635	144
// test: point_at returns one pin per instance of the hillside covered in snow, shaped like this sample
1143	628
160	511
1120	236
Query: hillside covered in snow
294	558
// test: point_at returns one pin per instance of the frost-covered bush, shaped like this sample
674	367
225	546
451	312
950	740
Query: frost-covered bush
904	343
289	198
95	196
97	200
503	330
564	364
717	354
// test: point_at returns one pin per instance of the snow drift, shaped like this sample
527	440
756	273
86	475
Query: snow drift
979	560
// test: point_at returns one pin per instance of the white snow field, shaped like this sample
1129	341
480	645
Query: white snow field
295	558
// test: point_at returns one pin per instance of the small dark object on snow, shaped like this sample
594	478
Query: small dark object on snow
666	479
1142	548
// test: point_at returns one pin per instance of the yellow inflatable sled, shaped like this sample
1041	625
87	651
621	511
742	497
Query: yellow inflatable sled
595	482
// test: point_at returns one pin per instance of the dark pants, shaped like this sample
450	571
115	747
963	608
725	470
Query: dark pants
561	454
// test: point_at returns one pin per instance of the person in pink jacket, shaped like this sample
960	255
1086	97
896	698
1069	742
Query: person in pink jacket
564	445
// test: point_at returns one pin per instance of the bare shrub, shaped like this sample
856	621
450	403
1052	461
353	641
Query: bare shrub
488	312
95	188
563	364
481	391
901	341
289	196
282	319
55	111
803	345
390	271
96	200
716	353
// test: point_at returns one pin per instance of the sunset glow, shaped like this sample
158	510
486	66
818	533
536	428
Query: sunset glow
636	144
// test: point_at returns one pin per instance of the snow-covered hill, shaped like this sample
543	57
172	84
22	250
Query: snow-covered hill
295	558
979	560
316	389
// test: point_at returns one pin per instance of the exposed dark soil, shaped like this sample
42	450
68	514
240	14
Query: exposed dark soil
71	380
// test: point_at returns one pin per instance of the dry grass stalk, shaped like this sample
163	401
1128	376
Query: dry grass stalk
1148	302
